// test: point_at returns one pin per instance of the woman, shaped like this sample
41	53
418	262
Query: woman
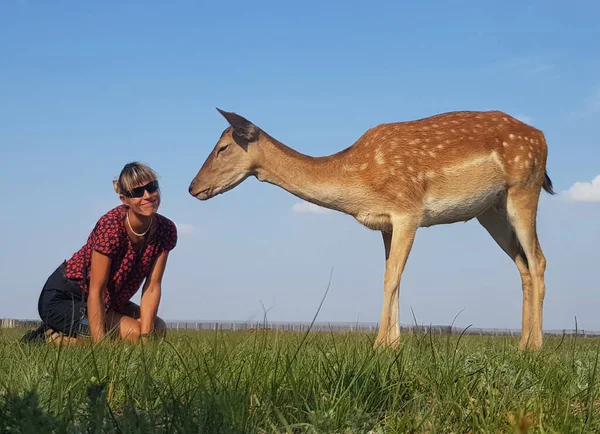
128	245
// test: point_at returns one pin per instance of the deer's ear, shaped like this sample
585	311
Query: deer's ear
242	127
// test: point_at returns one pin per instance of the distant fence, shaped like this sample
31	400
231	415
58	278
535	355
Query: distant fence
9	323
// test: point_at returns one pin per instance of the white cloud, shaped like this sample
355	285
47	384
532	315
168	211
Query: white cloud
309	208
584	191
594	100
185	228
524	118
532	65
591	105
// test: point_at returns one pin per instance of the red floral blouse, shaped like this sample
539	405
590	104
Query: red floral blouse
129	267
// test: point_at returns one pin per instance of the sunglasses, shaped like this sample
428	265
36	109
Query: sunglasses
151	187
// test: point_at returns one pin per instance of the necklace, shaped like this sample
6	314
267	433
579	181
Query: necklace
143	233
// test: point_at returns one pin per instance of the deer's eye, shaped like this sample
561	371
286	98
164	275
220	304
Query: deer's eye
222	149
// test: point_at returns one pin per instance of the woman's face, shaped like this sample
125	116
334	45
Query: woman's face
143	199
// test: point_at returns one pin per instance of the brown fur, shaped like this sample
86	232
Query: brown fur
400	176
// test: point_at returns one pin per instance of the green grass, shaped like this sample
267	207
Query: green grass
267	382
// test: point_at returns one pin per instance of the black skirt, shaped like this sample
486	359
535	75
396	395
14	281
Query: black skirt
63	305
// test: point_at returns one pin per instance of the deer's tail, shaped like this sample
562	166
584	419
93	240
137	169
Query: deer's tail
548	184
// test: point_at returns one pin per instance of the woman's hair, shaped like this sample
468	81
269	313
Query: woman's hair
133	175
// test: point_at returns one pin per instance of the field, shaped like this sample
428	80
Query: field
288	382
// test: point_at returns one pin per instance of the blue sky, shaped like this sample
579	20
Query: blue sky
87	86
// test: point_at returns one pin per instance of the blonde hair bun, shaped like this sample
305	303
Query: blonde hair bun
133	175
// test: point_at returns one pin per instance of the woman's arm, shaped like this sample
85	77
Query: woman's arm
151	293
100	268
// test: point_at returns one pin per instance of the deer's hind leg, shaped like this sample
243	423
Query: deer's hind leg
521	206
495	220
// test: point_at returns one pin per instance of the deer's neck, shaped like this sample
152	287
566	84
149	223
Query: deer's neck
314	179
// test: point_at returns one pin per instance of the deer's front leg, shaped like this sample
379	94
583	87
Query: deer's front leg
398	245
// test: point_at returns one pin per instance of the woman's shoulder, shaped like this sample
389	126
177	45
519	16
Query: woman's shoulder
112	217
167	231
166	225
164	220
109	234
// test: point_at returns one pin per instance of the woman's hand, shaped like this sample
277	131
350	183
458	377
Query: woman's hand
151	294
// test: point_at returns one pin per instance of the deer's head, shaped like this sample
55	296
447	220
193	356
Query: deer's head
231	160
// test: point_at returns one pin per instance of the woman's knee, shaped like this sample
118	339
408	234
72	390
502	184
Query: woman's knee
130	330
160	327
126	328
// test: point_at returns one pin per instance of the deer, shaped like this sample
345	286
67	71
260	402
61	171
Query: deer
401	176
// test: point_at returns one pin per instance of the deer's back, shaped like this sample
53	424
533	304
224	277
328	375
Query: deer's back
451	165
